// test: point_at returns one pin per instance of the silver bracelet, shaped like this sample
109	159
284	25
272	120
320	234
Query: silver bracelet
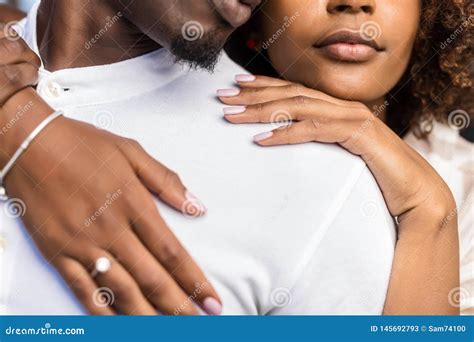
24	145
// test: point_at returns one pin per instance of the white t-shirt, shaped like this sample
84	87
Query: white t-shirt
290	230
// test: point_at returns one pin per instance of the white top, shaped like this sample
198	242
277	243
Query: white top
290	230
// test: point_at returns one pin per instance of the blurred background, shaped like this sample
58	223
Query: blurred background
23	4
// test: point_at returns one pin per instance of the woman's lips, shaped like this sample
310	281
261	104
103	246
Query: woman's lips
235	12
349	52
349	46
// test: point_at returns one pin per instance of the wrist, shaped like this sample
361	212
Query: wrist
18	118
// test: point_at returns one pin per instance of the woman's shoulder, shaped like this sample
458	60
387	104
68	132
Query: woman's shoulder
443	144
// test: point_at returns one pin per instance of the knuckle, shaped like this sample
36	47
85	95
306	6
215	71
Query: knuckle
133	144
33	59
129	146
123	290
80	286
364	113
18	46
171	253
11	47
315	124
285	133
259	108
295	89
300	101
171	179
161	289
31	74
10	75
253	92
151	284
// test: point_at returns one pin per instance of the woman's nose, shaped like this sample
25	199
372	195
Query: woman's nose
351	6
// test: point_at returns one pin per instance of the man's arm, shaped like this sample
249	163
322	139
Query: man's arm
65	176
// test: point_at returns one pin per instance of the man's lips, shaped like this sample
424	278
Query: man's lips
235	12
349	46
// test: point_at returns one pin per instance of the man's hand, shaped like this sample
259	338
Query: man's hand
18	64
87	194
9	14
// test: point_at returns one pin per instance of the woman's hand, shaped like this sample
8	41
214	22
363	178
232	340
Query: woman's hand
87	195
426	265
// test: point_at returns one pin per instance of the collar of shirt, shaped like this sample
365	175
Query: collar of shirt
103	83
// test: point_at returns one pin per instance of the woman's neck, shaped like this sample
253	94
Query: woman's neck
74	33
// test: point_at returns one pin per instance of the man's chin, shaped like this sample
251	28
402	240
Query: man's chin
201	53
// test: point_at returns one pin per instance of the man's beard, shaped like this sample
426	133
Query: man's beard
202	53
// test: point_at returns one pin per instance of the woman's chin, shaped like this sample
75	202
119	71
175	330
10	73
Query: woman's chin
351	91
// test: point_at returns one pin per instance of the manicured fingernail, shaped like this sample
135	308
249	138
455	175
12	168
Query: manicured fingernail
243	78
228	92
193	207
212	306
262	136
234	110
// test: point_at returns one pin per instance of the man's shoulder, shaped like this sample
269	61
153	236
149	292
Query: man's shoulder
227	65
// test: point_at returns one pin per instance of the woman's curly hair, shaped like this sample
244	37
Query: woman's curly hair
438	81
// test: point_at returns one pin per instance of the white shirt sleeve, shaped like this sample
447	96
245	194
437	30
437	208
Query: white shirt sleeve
350	268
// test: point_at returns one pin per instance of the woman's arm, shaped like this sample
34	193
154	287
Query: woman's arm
426	264
67	174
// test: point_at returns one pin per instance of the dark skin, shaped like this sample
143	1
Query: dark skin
9	14
107	51
72	164
61	42
328	99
